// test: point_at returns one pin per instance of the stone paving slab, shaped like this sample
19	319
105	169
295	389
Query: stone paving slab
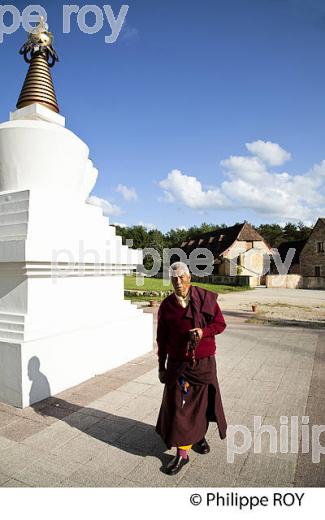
102	433
89	476
16	484
82	448
270	470
21	429
307	472
7	418
16	458
3	479
6	443
58	463
52	437
37	475
121	462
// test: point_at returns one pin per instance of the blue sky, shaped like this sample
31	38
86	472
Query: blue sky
200	111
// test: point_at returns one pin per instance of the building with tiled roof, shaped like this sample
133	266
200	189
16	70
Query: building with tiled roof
236	250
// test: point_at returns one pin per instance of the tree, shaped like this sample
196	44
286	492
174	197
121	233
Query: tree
290	232
143	239
304	230
275	234
158	242
138	234
174	237
272	233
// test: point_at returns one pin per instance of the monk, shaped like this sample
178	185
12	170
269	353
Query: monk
188	321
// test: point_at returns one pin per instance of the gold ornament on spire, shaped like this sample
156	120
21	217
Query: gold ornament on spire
39	52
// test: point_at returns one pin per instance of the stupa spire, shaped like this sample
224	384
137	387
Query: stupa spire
39	52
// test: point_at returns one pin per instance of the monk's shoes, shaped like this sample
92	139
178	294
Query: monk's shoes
201	447
176	465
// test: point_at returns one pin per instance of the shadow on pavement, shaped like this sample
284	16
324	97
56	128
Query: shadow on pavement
126	434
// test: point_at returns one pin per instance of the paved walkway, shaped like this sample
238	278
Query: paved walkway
235	300
101	433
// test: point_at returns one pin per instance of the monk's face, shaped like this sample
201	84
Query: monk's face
181	284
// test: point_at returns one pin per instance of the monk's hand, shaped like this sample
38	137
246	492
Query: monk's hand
199	333
162	374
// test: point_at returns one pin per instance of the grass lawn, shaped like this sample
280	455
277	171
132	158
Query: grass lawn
156	284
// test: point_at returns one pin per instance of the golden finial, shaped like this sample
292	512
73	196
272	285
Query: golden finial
40	40
42	26
39	52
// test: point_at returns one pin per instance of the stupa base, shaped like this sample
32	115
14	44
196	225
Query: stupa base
34	370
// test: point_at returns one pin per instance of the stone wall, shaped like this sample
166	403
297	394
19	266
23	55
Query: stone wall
309	257
294	281
286	281
314	282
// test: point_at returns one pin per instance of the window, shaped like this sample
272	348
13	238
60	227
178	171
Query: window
317	270
320	247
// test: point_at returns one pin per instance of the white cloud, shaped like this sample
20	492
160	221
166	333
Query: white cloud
188	190
249	168
250	185
126	192
269	153
295	197
107	207
120	224
146	225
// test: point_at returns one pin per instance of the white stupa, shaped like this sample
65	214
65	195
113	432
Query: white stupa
62	267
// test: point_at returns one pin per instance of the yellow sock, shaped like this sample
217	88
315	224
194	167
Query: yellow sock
186	448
